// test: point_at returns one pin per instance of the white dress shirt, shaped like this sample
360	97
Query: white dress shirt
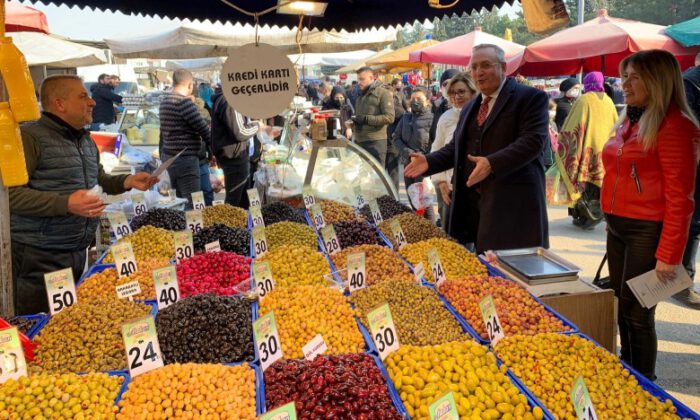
493	97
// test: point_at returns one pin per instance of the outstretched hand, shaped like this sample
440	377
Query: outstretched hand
480	172
417	167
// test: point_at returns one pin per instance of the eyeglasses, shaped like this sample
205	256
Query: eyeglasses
461	92
484	65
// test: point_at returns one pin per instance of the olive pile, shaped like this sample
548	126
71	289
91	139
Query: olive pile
167	219
292	265
290	233
149	243
418	313
381	263
414	227
103	285
23	324
387	206
225	214
206	329
455	259
334	212
230	239
87	336
281	212
351	233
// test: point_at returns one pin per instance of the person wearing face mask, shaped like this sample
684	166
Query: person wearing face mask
441	104
337	99
570	91
411	135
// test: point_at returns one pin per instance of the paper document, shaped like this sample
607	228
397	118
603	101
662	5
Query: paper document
165	165
649	290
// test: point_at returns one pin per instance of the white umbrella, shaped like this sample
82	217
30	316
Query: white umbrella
51	51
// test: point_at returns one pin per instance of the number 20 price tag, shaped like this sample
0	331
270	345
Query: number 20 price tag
262	273
167	289
436	266
60	289
141	344
118	223
493	324
381	325
12	363
356	271
124	258
582	401
267	340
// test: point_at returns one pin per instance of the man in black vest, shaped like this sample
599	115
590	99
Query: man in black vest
499	191
54	217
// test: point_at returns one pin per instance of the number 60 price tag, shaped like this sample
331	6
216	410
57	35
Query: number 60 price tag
139	203
141	344
60	289
493	324
267	340
12	363
381	325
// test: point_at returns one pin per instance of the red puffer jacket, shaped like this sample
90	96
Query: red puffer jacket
655	185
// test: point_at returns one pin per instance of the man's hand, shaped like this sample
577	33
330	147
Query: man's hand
417	167
83	204
359	119
445	192
665	272
480	172
141	181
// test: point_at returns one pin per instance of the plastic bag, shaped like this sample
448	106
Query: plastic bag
420	196
556	190
543	16
97	191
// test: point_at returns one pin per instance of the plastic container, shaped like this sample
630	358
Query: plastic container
12	164
18	81
125	384
39	321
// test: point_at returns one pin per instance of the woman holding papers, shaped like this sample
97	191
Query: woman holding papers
647	192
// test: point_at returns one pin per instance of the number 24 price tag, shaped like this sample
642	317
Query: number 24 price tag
123	255
141	344
262	273
194	220
267	340
118	223
60	289
12	363
436	266
167	289
398	233
582	401
381	325
356	271
493	324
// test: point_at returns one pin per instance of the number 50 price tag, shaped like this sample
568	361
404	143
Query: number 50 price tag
12	363
60	289
267	340
141	344
381	324
493	324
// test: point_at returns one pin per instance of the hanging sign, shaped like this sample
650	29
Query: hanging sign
259	81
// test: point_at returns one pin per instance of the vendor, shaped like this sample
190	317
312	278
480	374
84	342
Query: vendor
54	216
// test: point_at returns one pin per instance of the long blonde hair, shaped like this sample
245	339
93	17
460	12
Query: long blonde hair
465	78
660	74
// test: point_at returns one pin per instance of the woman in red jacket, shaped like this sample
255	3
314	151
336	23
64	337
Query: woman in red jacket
647	193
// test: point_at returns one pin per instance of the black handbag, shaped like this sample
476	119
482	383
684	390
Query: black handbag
604	282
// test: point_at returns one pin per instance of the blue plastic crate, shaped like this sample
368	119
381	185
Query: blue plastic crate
101	258
96	268
125	384
39	321
532	400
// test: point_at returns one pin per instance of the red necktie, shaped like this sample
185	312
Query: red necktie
483	111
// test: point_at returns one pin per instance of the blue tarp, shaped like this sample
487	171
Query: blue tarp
686	33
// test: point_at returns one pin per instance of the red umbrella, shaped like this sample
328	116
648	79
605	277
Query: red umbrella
19	18
458	51
597	45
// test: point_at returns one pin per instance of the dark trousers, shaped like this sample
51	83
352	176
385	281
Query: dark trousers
392	163
29	265
185	177
236	176
376	148
691	247
631	246
205	183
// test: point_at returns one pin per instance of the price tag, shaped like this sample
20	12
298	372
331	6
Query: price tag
139	203
376	213
12	363
357	190
436	266
198	200
141	344
257	217
582	400
60	289
308	194
493	324
356	271
259	241
286	412
254	198
314	347
183	245
267	340
213	247
419	272
218	203
381	324
167	289
118	223
194	219
330	239
398	233
124	258
262	273
128	290
444	408
317	216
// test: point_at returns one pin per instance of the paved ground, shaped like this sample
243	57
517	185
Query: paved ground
678	328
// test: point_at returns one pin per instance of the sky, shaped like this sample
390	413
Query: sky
95	26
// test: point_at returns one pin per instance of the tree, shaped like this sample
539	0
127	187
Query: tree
659	12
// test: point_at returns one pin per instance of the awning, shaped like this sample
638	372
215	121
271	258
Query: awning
686	33
48	50
352	68
330	59
400	57
20	18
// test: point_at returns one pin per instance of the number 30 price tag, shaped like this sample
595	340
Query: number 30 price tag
141	344
12	363
356	271
493	324
267	340
259	241
330	239
118	223
317	216
183	245
123	255
582	401
436	266
262	273
381	324
257	217
60	289
308	195
167	289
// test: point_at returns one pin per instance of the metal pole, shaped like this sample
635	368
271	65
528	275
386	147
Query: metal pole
581	12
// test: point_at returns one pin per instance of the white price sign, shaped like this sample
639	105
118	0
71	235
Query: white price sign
259	241
217	203
198	200
381	325
254	197
356	271
60	289
194	220
582	400
167	289
436	266
314	347
262	273
213	247
257	217
12	363
419	272
183	245
398	233
308	194
330	239
118	223
128	290
376	213
141	344
267	340
357	190
139	203
493	324
317	216
124	258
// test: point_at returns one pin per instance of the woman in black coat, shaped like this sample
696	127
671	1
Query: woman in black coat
340	101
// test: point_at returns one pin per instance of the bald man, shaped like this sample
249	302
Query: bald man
54	217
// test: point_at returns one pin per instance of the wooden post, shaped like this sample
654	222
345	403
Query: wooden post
6	296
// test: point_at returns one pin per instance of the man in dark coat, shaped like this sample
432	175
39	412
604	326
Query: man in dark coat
570	91
103	94
499	190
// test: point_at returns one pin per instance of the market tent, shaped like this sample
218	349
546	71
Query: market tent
458	51
199	40
331	59
597	45
352	68
400	57
686	33
55	52
198	64
20	18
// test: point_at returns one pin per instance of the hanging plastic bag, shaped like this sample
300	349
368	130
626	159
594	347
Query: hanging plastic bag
543	16
556	190
420	197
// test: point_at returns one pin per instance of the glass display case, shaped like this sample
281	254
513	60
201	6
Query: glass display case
141	125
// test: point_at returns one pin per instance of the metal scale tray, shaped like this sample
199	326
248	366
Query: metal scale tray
538	265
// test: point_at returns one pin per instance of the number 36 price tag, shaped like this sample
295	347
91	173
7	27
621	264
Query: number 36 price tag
267	340
60	289
493	324
12	363
123	255
194	220
381	324
167	289
141	344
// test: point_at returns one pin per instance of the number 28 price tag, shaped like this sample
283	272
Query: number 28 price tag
60	289
493	324
330	239
167	289
141	344
381	325
124	258
262	273
267	340
582	401
183	245
356	271
139	203
12	363
194	221
118	223
436	266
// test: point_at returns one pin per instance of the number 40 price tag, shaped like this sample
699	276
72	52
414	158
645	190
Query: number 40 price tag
60	289
123	255
141	344
381	324
12	363
267	340
118	223
167	289
356	271
582	401
493	324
